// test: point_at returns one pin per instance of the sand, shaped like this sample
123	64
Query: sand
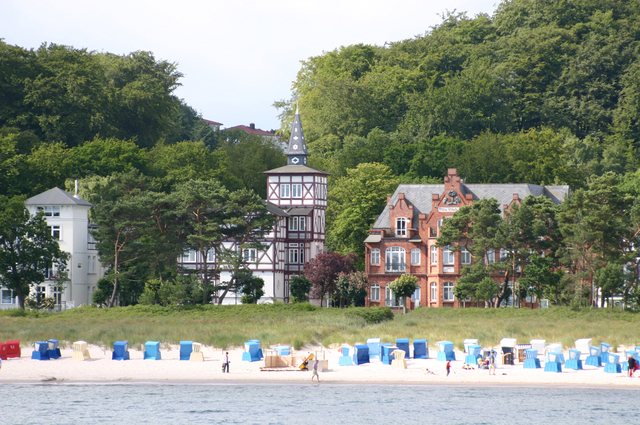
102	369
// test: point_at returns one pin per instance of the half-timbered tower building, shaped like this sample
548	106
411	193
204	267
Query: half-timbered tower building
297	196
403	238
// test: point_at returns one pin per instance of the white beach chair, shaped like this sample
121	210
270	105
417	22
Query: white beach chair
80	351
196	354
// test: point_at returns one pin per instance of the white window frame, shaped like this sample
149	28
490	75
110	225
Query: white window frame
401	254
504	254
49	211
374	292
434	254
293	224
11	298
189	256
296	190
415	297
301	257
56	232
434	291
465	256
448	256
415	256
447	291
375	257
250	255
285	191
302	224
293	255
491	256
389	299
401	226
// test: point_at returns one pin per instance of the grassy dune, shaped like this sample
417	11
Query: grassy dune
298	325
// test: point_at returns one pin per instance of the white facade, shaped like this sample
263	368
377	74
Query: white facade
68	218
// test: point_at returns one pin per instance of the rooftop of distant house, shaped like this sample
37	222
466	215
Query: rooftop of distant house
211	122
251	129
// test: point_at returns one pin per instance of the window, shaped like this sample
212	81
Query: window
50	211
415	256
434	291
434	254
389	299
41	292
55	232
301	255
7	296
395	259
302	223
296	191
375	257
293	223
491	256
415	297
293	256
189	256
374	292
211	255
447	255
401	226
447	291
465	256
250	255
503	255
57	295
284	190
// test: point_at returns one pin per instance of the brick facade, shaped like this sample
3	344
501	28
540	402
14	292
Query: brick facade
412	220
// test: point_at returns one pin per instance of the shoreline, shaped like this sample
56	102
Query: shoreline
100	369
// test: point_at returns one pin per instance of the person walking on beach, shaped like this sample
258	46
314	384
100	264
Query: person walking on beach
492	363
225	364
632	366
315	371
448	367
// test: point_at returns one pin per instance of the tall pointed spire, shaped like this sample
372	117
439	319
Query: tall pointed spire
297	150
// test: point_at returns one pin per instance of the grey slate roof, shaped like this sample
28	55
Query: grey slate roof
274	209
296	169
419	195
299	211
56	196
297	142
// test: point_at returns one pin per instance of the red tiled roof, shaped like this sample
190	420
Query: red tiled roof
250	130
211	122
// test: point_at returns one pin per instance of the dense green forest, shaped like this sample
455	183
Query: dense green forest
541	91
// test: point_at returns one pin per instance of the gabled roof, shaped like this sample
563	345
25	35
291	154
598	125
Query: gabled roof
56	196
211	122
420	196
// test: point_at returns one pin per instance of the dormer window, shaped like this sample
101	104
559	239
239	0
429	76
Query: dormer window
401	226
50	211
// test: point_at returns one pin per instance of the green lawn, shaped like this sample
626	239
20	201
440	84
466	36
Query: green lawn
301	324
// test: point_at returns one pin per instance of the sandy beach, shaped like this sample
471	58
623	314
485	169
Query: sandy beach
102	369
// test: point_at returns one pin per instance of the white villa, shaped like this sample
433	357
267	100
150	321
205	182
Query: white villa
68	218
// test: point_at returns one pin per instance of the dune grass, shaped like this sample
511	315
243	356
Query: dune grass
302	324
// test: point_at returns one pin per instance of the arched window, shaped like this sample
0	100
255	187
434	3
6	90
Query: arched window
415	256
375	257
415	297
395	259
447	256
447	291
434	291
465	256
374	292
434	254
389	299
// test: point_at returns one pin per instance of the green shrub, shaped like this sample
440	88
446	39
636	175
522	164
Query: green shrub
371	315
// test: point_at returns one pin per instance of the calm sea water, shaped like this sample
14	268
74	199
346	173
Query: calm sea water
309	405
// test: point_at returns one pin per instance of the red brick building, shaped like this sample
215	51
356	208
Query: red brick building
402	241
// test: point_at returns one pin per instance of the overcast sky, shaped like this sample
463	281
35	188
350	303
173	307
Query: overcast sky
237	57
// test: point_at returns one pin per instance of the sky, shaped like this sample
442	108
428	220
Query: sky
237	56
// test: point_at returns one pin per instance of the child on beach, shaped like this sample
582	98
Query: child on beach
448	367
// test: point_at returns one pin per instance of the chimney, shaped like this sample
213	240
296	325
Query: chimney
252	126
75	195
